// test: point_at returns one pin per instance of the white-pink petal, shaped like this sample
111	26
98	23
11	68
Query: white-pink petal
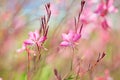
36	34
42	39
71	35
28	42
31	35
21	49
64	43
65	37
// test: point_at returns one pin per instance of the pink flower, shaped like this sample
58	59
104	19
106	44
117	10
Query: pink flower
34	38
105	7
70	38
88	16
1	78
105	77
73	36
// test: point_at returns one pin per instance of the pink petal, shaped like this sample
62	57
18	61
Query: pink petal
100	8
42	39
36	34
64	43
71	34
31	35
28	42
76	37
110	2
65	37
112	9
21	49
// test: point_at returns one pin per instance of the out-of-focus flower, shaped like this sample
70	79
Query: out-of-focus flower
105	77
70	38
19	22
54	10
105	6
1	78
88	16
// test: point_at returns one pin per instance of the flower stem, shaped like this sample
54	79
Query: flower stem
72	59
28	73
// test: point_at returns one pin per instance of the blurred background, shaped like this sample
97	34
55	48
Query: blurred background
19	17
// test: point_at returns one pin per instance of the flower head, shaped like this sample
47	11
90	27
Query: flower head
34	38
105	7
105	77
38	37
70	38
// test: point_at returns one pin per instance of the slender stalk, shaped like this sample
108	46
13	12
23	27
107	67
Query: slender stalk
71	65
34	59
28	72
72	59
39	55
78	73
90	75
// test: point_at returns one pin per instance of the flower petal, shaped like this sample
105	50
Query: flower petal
29	42
64	43
71	34
76	37
65	37
36	34
21	49
31	35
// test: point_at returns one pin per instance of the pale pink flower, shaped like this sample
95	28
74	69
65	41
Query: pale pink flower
70	38
1	78
88	16
105	77
105	7
34	39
